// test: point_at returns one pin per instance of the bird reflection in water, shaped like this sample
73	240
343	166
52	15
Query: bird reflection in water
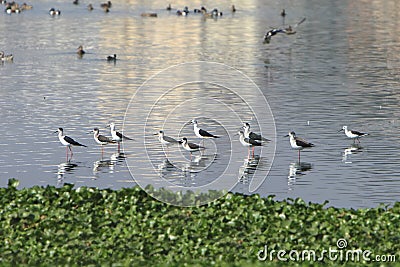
248	168
108	165
297	169
351	150
64	168
165	167
198	163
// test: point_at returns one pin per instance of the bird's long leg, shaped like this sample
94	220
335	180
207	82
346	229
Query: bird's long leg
70	149
119	147
253	150
66	150
299	156
166	151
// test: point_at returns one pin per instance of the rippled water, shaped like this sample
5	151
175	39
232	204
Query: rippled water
340	68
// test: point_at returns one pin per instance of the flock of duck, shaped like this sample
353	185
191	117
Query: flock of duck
4	57
13	7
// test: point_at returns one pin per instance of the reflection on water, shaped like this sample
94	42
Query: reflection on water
107	165
199	163
351	150
165	167
297	169
65	168
248	168
177	171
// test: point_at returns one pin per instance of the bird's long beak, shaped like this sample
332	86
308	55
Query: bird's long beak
286	135
55	132
155	134
340	130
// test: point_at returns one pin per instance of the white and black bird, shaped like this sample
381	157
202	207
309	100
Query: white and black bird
252	135
54	12
166	140
4	57
268	35
200	132
249	142
101	139
298	143
191	147
67	141
112	58
355	135
117	136
288	30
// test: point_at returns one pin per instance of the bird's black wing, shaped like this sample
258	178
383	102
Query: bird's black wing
206	134
303	143
194	146
72	141
170	139
358	133
120	135
103	138
300	22
255	136
253	142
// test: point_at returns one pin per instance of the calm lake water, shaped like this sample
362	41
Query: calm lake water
340	68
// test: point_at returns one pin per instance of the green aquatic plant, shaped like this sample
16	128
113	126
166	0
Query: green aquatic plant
89	226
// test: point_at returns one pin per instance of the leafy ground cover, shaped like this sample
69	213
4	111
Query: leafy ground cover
87	226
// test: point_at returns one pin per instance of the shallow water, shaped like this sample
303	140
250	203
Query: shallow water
340	68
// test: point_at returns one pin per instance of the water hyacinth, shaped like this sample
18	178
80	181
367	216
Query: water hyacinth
84	226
